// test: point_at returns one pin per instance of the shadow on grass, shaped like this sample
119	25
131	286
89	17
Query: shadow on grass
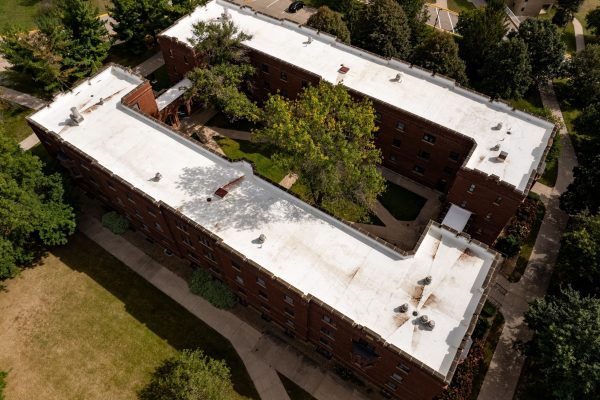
163	316
403	204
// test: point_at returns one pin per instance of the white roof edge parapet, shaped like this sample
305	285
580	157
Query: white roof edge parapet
494	126
173	93
318	255
457	218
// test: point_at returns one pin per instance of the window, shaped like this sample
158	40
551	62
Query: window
265	307
263	295
377	116
283	76
181	226
403	367
175	68
447	170
288	299
289	311
488	217
471	188
158	227
429	138
266	85
400	126
215	270
146	228
110	185
151	211
283	92
327	319
185	60
396	142
171	53
264	68
290	323
424	155
498	200
236	266
84	166
324	342
397	377
137	211
239	279
261	282
205	242
210	256
119	201
417	169
454	156
326	332
187	241
392	158
463	204
391	386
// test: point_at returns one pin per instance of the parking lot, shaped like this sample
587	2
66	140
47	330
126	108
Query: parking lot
278	9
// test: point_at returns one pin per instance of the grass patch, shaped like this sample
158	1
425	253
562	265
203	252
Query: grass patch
460	5
220	120
13	121
570	111
586	7
550	174
403	204
527	246
83	325
294	391
489	346
531	102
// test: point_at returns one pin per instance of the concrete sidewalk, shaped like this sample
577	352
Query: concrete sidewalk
261	355
150	65
20	98
579	37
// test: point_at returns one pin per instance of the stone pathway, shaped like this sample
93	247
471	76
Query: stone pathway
261	355
505	368
289	180
579	36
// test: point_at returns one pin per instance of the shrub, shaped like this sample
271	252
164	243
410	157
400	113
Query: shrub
215	292
462	383
488	310
509	245
115	222
3	375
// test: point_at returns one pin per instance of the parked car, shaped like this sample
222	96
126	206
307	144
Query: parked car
295	6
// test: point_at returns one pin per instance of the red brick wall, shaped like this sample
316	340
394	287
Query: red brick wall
143	98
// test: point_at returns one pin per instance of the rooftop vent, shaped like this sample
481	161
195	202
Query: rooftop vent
498	127
427	280
343	69
403	308
75	116
261	239
309	40
424	319
397	78
495	148
156	177
502	156
430	324
226	16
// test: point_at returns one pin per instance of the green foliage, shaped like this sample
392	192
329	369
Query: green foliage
71	43
509	245
115	222
462	383
3	376
215	292
138	22
585	74
588	122
190	376
481	30
507	70
219	42
592	20
326	137
565	11
331	22
438	52
565	349
389	31
32	211
579	261
545	48
581	194
416	17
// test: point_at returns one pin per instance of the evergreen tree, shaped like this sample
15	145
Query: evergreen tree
331	22
545	47
438	52
416	17
388	29
507	70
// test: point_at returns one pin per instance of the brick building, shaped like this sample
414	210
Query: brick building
399	319
483	155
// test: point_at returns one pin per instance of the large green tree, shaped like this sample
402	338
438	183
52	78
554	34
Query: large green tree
326	137
190	376
565	10
507	70
581	194
416	17
588	122
579	261
438	52
481	30
32	211
545	47
585	74
565	350
219	42
388	29
71	43
330	21
592	21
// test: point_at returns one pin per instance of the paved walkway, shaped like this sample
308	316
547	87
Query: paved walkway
20	98
579	37
505	368
261	355
150	65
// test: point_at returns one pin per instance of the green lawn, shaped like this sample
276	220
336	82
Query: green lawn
81	325
527	247
12	119
550	174
570	112
586	7
294	391
460	5
403	204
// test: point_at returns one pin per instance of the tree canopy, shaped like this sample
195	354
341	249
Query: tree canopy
545	48
190	376
585	74
592	20
588	122
331	22
32	211
416	17
581	194
507	70
565	10
565	349
219	42
326	138
388	29
438	52
71	43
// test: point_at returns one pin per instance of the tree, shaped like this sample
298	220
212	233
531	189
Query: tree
326	137
588	122
32	211
545	48
592	20
438	52
481	30
416	17
579	261
507	70
191	375
389	32
581	193
565	349
331	22
184	7
71	43
224	75
565	10
585	74
138	22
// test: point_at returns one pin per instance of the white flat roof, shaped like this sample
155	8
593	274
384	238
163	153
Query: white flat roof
310	250
457	217
173	93
433	98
